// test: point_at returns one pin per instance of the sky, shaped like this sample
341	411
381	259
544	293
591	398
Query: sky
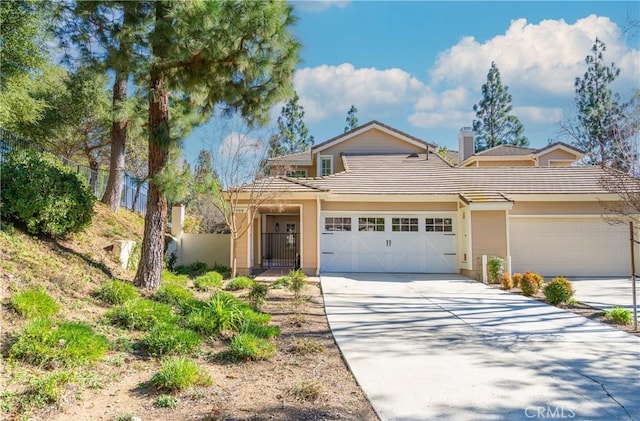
419	66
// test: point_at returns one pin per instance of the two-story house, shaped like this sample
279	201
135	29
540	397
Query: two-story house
375	199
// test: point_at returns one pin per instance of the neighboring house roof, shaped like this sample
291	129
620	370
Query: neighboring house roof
399	174
560	145
302	158
506	150
368	126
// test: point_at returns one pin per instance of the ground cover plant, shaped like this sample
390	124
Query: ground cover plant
619	315
116	291
179	373
239	282
208	281
34	302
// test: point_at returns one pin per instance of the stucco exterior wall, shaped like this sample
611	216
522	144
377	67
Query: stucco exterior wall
488	237
207	248
563	158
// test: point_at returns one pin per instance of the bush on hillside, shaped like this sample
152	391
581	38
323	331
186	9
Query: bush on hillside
44	195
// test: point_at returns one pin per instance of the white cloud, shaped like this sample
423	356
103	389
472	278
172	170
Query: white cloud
328	90
544	58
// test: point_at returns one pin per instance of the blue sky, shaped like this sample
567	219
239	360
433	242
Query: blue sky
419	66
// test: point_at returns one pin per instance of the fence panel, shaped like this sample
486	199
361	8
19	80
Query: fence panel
134	193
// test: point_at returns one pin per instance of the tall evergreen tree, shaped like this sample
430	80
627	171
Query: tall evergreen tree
496	126
352	119
204	55
293	135
603	124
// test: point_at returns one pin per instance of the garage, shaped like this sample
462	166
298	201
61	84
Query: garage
399	243
569	246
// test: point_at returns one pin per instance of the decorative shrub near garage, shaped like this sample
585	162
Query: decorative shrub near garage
506	281
495	267
517	279
531	283
558	291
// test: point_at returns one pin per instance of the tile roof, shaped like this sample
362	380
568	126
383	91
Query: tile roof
399	174
556	144
506	150
282	184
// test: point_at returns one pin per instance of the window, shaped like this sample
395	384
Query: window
290	227
297	174
325	165
439	225
337	224
370	224
404	224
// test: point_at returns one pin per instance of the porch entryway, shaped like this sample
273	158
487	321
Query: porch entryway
280	241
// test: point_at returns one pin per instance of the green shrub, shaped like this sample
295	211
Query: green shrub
175	295
34	302
506	281
495	266
281	282
517	279
531	283
47	197
221	315
208	280
117	292
245	346
167	401
297	281
223	270
169	339
140	314
180	373
619	315
43	342
192	269
558	291
258	294
239	282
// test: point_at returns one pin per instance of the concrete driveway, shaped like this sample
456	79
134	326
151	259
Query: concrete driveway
605	293
443	347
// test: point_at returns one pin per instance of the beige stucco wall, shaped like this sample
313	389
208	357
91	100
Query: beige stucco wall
556	154
488	237
207	248
281	220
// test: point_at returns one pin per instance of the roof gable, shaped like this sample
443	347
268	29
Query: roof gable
372	125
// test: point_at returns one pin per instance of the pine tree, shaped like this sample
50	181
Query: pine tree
496	126
352	119
601	117
293	135
206	55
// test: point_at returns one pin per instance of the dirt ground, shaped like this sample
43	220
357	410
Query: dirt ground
291	386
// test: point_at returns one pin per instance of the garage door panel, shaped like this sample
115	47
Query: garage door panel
570	247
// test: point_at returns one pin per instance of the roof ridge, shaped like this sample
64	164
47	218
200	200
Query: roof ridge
299	182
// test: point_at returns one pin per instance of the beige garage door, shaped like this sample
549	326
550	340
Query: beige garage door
569	246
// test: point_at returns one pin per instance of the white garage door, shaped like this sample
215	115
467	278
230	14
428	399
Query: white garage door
569	246
388	243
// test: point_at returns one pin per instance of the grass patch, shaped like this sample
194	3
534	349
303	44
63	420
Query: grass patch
140	314
175	295
34	302
192	269
47	389
45	343
221	315
238	283
167	401
261	331
179	374
176	278
117	292
208	281
306	391
619	315
169	339
245	346
304	346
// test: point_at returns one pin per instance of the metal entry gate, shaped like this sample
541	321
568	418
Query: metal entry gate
280	250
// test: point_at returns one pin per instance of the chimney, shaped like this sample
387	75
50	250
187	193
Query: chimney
465	143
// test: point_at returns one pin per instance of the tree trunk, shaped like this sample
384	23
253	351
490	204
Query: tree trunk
151	261
234	265
113	190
